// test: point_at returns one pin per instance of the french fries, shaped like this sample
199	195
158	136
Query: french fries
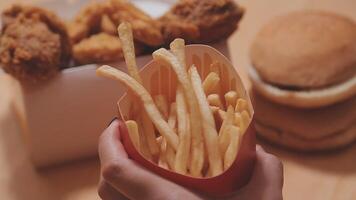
144	150
214	100
245	120
162	161
209	128
232	149
126	38
169	155
231	98
165	56
172	119
214	109
146	99
132	129
210	83
222	115
198	133
128	48
241	105
177	47
223	133
182	156
162	105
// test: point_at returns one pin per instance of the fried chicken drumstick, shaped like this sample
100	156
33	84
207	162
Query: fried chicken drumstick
94	35
34	43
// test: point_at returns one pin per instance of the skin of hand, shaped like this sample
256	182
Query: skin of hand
122	178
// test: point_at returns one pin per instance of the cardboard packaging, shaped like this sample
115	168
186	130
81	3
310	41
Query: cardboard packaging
160	79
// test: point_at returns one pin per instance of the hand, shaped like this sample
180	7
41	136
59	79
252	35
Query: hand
122	178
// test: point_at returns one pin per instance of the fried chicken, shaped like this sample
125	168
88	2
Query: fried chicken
34	43
201	21
87	21
100	48
145	29
104	17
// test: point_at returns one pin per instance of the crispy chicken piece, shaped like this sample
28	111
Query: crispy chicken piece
99	48
96	17
201	21
34	43
145	29
87	21
107	25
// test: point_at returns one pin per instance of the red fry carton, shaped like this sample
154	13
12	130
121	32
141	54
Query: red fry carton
160	79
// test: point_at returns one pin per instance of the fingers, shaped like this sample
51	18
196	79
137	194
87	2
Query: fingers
267	180
110	147
126	176
267	177
268	164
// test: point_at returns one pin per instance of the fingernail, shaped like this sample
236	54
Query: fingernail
115	118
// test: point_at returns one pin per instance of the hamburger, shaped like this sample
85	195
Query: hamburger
304	80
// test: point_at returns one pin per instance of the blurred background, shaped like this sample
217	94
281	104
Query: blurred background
306	176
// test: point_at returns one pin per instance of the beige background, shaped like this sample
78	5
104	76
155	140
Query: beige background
329	176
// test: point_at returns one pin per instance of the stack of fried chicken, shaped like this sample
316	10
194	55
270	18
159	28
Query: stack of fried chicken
35	43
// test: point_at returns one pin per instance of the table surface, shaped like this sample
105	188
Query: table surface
329	176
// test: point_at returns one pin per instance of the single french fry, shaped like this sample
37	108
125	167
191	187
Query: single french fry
214	100
211	82
245	120
150	134
232	149
162	161
144	150
182	155
177	47
223	132
107	26
197	150
169	153
172	118
238	120
150	108
166	156
132	129
170	157
209	128
230	98
241	105
128	48
126	38
162	105
221	115
214	109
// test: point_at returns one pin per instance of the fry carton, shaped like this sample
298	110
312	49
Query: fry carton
160	79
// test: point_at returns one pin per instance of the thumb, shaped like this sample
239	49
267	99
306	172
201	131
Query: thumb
126	176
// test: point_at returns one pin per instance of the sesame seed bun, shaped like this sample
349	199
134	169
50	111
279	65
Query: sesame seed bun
305	59
306	50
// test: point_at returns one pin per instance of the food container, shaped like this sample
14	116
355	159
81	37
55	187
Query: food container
159	79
